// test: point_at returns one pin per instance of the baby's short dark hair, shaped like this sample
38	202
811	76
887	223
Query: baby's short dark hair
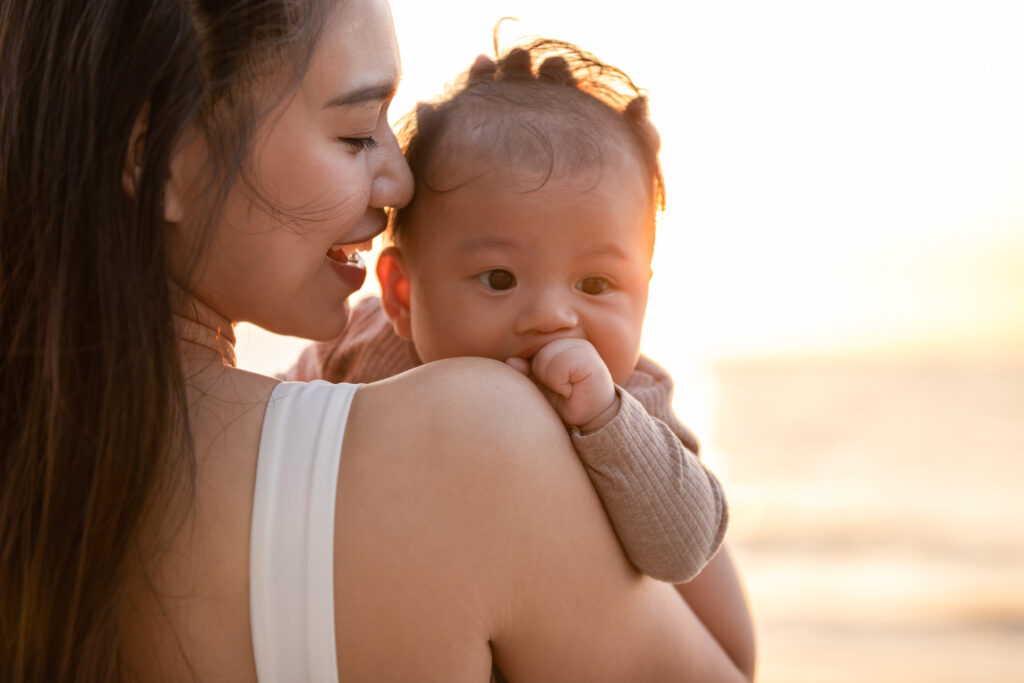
546	105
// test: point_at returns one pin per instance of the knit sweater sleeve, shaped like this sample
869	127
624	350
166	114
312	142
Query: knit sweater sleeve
668	510
367	351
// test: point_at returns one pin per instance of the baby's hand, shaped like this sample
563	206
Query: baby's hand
575	380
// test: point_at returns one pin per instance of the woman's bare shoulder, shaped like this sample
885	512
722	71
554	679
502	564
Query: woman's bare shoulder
460	425
467	528
429	484
464	382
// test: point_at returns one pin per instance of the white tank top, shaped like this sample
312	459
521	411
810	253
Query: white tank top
291	556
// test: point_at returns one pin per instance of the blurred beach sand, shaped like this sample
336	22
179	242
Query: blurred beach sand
876	516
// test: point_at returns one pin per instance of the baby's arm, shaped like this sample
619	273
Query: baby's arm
716	595
668	511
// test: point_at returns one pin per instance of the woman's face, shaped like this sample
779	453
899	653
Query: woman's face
324	163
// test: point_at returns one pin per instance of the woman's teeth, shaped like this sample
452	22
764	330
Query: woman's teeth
337	253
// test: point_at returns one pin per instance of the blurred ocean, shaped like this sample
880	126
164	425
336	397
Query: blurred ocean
877	514
877	510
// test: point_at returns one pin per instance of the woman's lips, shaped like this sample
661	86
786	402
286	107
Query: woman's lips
344	257
350	267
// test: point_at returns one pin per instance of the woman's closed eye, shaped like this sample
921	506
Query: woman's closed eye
497	279
360	144
593	285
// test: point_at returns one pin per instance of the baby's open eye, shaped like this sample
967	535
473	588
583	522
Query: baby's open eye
498	279
593	285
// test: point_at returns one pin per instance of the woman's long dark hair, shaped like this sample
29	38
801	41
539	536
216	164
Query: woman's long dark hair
93	419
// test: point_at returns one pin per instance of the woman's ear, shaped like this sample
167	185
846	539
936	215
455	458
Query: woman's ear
394	288
131	174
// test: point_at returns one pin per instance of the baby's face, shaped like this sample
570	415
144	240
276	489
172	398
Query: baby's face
497	269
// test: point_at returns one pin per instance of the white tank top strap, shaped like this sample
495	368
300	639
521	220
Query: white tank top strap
291	555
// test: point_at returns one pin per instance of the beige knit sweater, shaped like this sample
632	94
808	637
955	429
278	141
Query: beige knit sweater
668	510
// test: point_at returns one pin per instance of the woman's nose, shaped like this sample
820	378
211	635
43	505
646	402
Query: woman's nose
392	183
550	311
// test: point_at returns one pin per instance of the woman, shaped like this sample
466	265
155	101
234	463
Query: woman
171	168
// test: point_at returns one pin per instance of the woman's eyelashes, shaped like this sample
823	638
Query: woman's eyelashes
360	144
369	119
497	279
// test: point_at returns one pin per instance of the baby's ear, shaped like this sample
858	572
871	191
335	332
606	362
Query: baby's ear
394	288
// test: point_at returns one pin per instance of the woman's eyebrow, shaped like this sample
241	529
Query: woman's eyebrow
379	92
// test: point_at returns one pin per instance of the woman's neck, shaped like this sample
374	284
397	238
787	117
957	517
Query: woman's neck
204	334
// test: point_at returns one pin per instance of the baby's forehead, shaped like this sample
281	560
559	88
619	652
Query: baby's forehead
527	139
485	170
506	203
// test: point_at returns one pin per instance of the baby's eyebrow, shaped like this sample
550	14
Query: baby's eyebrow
477	243
611	249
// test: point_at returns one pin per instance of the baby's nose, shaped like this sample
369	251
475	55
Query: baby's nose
548	312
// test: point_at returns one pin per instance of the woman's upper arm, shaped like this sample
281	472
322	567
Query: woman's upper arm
465	524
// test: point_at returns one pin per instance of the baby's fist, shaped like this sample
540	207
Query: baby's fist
577	382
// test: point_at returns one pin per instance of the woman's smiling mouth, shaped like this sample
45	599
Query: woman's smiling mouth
351	268
339	254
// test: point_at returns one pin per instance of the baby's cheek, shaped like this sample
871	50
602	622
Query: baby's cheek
621	350
445	336
479	339
621	370
425	334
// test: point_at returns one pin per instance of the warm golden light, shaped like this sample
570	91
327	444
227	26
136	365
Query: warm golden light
839	292
841	178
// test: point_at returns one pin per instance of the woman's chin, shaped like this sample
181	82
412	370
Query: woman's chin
315	327
329	327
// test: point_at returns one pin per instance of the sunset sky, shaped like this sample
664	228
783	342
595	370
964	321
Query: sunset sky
842	177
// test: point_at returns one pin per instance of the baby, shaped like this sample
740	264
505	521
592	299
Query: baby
529	240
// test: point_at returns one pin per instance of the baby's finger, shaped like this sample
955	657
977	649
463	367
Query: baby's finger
561	361
552	375
520	364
